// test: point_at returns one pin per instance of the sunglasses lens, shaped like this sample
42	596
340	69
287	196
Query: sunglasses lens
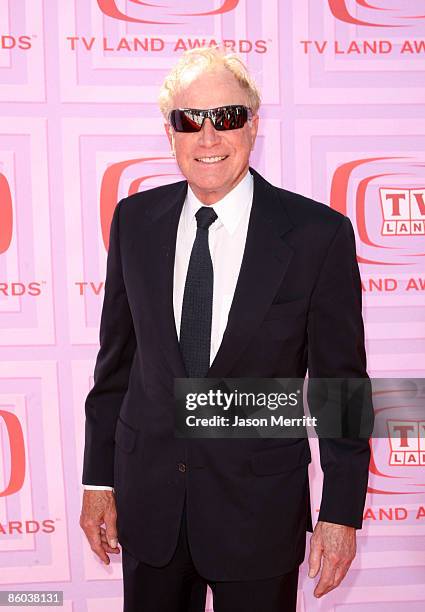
223	118
230	117
186	120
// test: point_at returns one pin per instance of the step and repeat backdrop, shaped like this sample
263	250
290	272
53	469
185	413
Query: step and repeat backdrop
342	121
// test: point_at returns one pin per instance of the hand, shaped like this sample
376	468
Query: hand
98	508
337	545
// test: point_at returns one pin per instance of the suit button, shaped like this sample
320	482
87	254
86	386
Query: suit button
181	466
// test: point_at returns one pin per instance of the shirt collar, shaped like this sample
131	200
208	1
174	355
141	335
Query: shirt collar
229	209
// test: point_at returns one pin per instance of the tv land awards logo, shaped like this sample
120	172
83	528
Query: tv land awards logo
382	214
163	12
403	211
387	15
398	440
9	288
157	44
15	480
407	442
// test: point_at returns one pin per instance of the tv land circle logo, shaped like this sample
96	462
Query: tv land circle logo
110	187
389	220
6	214
368	13
161	13
15	436
398	441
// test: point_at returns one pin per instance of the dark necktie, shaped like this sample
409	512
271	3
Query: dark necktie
195	325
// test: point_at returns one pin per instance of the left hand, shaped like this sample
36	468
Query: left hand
337	545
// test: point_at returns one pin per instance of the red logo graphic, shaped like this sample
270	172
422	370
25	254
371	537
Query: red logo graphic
159	11
399	437
389	221
403	211
17	453
407	441
6	214
367	13
110	186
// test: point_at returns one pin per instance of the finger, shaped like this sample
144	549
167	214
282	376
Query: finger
340	573
107	548
326	590
315	557
111	530
94	538
327	578
100	552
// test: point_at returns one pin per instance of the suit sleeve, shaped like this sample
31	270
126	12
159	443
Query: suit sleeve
112	369
336	350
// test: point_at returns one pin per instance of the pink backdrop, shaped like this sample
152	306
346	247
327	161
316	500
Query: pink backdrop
341	122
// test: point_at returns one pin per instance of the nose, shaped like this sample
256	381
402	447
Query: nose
208	134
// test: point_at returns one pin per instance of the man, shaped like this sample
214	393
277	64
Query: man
220	275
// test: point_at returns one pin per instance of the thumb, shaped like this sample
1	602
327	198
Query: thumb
314	558
111	534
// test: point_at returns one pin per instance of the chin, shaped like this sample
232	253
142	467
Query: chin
211	185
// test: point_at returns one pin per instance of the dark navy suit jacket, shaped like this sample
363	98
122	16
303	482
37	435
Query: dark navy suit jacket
297	305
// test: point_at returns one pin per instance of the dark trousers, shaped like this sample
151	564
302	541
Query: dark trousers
177	587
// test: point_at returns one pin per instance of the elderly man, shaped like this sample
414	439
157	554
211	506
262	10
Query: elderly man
219	275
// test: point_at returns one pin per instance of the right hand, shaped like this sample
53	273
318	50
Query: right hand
98	509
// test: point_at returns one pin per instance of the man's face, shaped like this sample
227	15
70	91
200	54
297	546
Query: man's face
212	181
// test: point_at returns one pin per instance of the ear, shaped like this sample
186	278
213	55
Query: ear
170	135
168	130
254	129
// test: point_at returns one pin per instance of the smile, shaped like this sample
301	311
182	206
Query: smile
211	160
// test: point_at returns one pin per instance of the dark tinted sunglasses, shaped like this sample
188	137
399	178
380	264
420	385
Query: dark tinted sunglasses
223	118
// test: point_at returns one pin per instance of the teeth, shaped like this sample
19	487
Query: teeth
210	160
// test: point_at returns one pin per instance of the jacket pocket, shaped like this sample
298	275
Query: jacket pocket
286	309
281	458
125	436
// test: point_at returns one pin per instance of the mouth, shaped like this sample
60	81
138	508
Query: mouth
211	160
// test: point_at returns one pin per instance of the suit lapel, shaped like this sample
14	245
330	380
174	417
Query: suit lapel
264	263
161	251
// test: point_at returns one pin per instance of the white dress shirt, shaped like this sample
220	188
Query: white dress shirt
227	237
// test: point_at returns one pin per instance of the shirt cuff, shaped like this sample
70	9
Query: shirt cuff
98	487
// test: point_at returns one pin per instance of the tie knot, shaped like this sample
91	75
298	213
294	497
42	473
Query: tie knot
205	217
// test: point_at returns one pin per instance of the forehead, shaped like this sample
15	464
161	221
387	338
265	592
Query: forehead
211	89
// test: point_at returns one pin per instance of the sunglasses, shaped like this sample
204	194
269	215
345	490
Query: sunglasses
223	118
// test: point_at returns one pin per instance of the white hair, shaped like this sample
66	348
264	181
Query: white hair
194	62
